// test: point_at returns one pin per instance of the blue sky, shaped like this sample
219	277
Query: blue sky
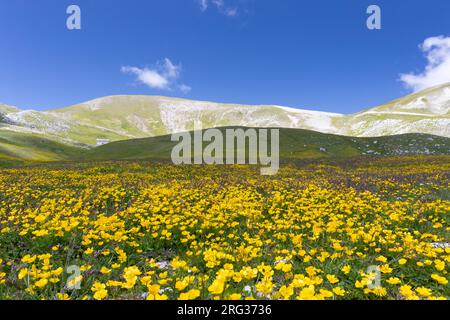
312	54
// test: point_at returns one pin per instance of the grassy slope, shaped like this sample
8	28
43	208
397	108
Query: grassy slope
294	144
15	146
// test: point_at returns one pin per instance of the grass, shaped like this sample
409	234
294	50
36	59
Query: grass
19	146
294	144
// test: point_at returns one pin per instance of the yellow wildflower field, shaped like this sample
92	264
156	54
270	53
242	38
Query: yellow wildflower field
359	229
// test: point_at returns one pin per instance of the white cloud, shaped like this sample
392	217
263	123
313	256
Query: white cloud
164	76
148	77
184	88
170	70
437	71
203	4
220	5
231	12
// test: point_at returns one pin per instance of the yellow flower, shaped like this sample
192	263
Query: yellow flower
154	289
2	277
360	284
265	287
286	292
311	271
235	296
307	293
385	268
381	259
62	296
153	293
41	283
29	259
99	290
402	261
346	269
393	281
439	279
57	272
190	295
332	279
181	285
178	264
407	292
217	286
85	267
325	294
379	291
40	233
105	270
54	280
131	275
423	292
339	291
440	265
22	273
284	267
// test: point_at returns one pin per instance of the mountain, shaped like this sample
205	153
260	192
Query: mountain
126	117
294	144
7	109
427	111
117	118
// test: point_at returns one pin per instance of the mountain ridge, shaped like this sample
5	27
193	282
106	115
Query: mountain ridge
122	117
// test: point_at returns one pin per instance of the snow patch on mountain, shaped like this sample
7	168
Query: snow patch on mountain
400	113
436	102
178	116
42	122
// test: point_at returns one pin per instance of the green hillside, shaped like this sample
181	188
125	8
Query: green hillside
294	144
16	147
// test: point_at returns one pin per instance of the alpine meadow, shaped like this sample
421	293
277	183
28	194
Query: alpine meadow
122	179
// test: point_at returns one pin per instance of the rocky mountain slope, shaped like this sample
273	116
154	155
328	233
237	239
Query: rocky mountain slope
128	117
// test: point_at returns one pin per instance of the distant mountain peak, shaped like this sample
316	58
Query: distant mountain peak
122	117
4	108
